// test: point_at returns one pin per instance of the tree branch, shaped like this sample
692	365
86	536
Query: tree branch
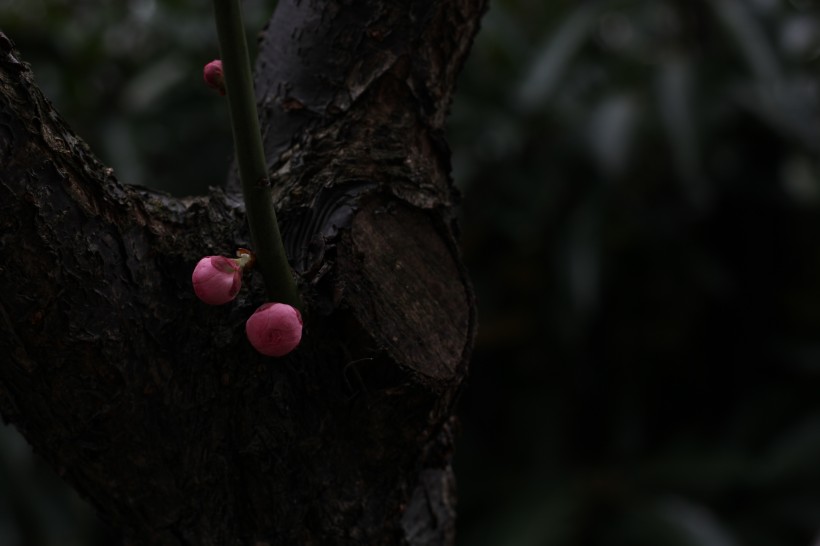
153	405
250	157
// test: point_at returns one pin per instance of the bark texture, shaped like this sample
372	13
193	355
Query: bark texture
152	404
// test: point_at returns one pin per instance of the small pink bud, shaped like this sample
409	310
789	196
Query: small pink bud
212	74
275	329
217	279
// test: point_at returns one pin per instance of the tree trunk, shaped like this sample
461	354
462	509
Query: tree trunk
152	404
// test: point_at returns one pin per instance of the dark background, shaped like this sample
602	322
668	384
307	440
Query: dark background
641	217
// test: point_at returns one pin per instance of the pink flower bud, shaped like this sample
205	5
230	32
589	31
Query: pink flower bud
217	279
212	74
275	329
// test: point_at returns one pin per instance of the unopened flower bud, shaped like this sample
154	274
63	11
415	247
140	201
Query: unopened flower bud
275	329
217	279
212	74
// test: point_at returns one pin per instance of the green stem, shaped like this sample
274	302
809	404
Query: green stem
250	155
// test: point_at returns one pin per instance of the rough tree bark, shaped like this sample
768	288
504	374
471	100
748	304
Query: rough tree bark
153	405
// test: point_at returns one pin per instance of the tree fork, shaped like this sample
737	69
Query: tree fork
153	405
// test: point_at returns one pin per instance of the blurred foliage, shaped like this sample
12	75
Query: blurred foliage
641	216
37	508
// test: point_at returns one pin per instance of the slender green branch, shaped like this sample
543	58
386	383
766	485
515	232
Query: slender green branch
267	241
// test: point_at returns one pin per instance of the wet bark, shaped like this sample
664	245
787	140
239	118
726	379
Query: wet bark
152	404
